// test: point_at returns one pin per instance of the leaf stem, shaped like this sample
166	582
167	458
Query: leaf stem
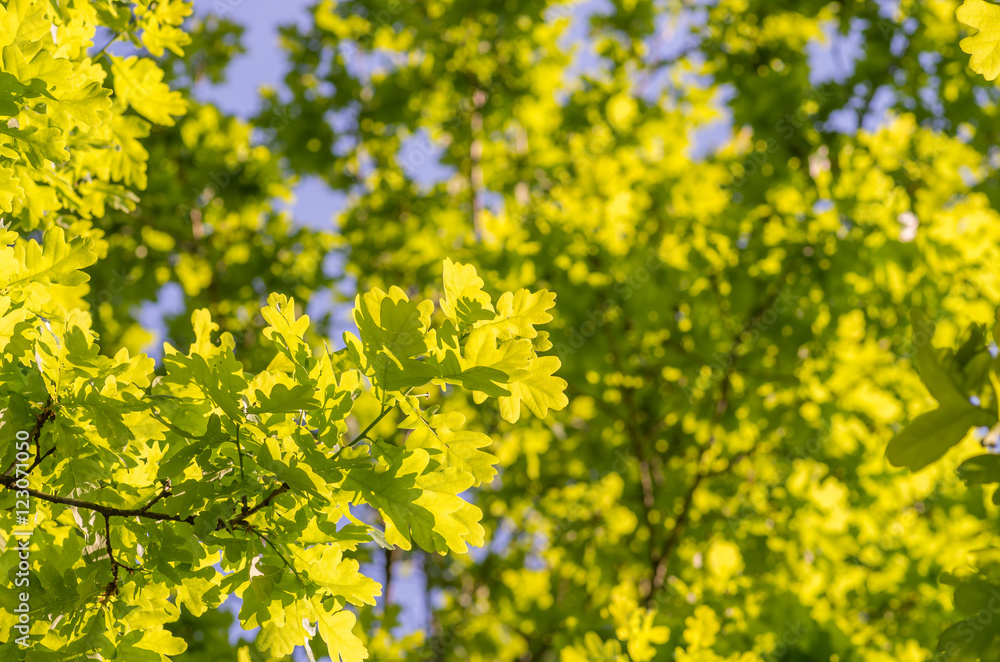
106	46
278	552
364	433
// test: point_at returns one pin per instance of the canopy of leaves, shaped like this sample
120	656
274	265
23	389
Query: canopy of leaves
734	305
249	461
691	337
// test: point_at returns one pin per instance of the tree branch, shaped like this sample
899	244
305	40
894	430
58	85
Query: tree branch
112	511
263	504
388	554
107	511
660	572
165	492
112	588
662	558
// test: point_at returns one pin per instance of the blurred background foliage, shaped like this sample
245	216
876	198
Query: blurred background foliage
737	203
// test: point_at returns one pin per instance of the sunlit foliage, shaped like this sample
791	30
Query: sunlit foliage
716	261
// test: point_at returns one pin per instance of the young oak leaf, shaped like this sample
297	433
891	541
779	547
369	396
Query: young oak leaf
36	145
392	330
984	45
452	447
161	22
462	450
446	365
280	316
153	608
326	566
539	392
139	83
55	261
464	301
35	78
519	312
337	630
10	189
220	378
273	601
282	399
288	333
512	357
285	630
416	505
389	322
88	105
203	327
930	435
22	21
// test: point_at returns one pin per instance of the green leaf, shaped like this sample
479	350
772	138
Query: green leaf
935	365
464	301
980	469
539	392
55	261
452	447
36	145
392	332
420	505
519	312
337	631
139	83
929	436
326	565
984	44
283	399
966	640
88	105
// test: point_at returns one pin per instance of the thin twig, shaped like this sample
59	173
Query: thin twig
276	551
165	492
106	46
660	573
239	452
263	504
112	588
364	433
